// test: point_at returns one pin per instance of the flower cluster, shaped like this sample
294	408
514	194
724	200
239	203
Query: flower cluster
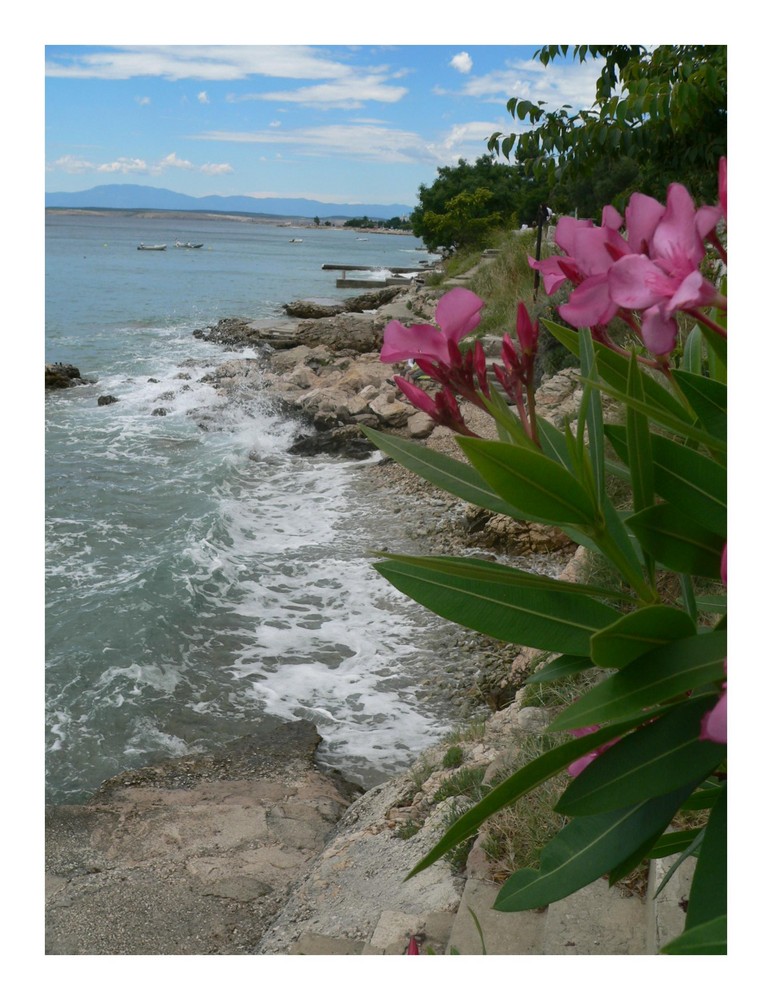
436	351
655	270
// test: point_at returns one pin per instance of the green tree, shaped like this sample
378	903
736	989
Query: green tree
468	200
664	108
613	180
465	221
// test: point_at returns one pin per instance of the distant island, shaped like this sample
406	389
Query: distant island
139	197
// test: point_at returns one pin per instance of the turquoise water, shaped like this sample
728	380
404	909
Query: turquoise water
199	577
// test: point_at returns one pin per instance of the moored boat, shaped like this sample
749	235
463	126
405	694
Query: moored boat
188	246
151	246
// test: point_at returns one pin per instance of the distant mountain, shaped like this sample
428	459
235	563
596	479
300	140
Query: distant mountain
138	196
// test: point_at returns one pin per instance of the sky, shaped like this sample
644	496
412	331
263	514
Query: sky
335	123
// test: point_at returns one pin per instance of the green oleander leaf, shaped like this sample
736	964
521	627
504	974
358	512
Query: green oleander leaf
585	849
513	788
648	762
677	541
505	606
457	478
709	938
638	633
683	476
653	679
530	481
708	897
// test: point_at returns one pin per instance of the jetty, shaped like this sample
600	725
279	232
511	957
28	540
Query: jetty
362	282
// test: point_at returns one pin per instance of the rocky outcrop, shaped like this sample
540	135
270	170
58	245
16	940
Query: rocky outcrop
311	309
373	300
62	376
360	332
191	857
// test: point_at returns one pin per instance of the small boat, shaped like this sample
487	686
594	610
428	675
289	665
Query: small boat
151	246
295	240
188	246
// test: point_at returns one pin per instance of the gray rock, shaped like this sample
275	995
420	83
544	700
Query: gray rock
62	376
193	856
308	309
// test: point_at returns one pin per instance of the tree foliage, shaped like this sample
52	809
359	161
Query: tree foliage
663	108
469	200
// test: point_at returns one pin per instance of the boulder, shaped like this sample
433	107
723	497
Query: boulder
313	310
106	400
349	331
313	357
346	442
372	300
390	411
61	376
420	425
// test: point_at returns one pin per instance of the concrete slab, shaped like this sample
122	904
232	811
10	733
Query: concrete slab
394	929
667	911
502	933
320	944
596	920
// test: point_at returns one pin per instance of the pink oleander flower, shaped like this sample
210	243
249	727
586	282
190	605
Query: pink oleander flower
443	409
590	250
654	269
714	722
527	330
581	763
517	369
457	314
412	946
555	270
713	726
665	278
462	374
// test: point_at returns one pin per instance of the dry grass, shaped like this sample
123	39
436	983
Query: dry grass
514	837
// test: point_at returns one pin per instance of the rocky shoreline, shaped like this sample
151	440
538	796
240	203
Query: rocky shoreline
198	856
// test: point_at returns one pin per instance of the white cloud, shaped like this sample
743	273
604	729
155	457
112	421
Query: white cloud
366	141
172	160
134	165
203	97
462	62
123	165
363	142
463	141
213	169
347	92
70	165
563	82
143	101
201	62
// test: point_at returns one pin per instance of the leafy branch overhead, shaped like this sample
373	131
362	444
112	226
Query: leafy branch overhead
663	107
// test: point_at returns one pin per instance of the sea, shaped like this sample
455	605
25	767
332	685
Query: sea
199	579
